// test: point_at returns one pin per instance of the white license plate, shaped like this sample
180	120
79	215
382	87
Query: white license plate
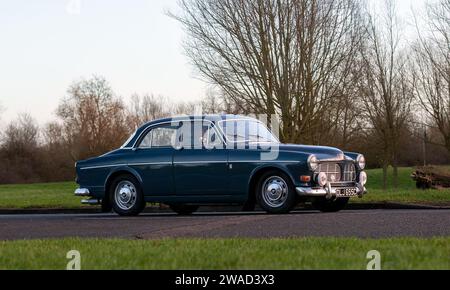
346	192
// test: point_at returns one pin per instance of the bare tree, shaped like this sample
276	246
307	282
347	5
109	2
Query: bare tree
431	70
385	91
21	135
94	119
146	108
18	151
216	103
292	58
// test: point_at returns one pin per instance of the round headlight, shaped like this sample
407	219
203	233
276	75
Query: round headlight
363	178
361	160
313	163
322	179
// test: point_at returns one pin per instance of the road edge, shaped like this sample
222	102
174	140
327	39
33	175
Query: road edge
95	210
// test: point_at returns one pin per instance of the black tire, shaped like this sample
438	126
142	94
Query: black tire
250	204
106	206
183	209
325	205
139	203
283	188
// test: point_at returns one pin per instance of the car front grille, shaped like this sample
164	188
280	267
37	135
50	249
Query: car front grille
338	172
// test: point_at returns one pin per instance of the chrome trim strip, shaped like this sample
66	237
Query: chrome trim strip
150	163
201	162
103	166
190	162
265	161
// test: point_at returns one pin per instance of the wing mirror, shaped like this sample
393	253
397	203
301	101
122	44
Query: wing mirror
179	147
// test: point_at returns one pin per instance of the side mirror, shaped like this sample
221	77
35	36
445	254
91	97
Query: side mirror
179	147
135	149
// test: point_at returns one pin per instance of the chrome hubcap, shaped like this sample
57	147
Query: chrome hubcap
125	195
275	191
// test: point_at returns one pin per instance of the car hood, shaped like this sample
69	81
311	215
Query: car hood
321	152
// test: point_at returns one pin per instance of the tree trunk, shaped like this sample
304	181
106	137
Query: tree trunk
385	169
395	166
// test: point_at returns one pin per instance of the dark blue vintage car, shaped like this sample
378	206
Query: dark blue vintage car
186	162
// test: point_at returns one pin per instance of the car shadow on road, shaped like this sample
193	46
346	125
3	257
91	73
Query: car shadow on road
202	214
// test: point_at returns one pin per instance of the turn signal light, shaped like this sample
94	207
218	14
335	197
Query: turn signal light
305	178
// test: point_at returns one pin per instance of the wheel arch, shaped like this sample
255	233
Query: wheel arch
117	172
256	175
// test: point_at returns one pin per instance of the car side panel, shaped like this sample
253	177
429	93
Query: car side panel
155	166
201	172
242	163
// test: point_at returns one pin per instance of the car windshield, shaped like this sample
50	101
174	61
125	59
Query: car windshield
247	131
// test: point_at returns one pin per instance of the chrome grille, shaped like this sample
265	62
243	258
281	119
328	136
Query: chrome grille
349	172
337	173
333	171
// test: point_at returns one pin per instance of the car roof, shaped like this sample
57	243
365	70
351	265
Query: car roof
212	118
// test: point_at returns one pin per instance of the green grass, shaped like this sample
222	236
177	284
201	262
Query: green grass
222	254
60	195
406	191
48	195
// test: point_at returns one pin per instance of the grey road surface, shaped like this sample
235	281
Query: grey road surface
363	224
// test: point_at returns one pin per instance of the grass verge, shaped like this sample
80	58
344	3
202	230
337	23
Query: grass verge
223	254
60	195
45	195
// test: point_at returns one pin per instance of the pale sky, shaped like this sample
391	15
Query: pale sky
47	44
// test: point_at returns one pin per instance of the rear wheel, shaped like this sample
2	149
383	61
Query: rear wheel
184	209
275	193
325	205
126	196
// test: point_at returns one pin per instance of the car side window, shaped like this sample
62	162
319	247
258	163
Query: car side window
164	137
159	137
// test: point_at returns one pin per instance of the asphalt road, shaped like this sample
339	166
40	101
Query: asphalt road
364	224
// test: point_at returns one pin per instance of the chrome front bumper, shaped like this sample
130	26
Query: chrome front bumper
331	192
82	192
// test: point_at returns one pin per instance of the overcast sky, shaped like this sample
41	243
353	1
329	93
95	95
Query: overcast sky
47	44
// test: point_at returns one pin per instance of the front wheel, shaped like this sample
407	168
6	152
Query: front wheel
275	193
126	196
325	205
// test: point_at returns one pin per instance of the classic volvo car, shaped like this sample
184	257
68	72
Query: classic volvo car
186	162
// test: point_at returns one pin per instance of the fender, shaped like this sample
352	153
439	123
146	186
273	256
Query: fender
280	167
124	169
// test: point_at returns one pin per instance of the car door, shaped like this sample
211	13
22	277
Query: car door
201	167
153	159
